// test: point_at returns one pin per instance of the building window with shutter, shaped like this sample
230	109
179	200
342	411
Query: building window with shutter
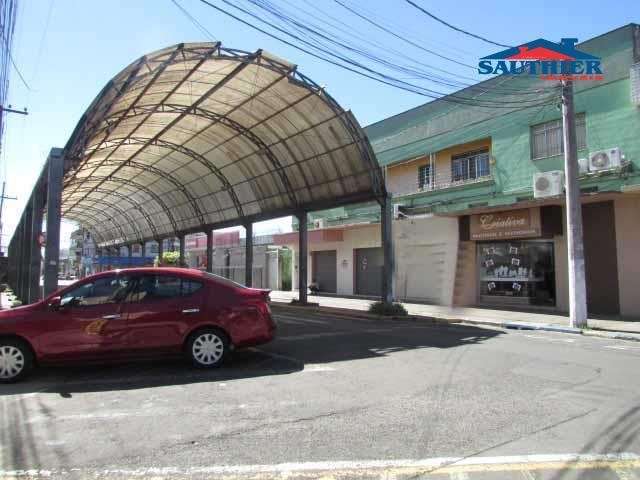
546	138
470	166
424	177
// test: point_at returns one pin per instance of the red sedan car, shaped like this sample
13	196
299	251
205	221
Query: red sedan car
135	312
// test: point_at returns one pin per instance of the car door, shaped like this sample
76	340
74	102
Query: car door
90	321
159	310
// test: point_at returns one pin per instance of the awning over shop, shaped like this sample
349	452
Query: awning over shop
197	136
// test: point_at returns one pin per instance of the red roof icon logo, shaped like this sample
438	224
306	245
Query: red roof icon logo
538	53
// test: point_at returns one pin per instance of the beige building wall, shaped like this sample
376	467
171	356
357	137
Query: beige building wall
403	178
425	253
627	218
426	250
358	237
467	271
627	211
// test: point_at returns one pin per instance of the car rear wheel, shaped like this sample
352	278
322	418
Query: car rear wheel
16	360
207	348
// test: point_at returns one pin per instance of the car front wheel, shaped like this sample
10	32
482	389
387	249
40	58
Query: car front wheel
207	348
16	360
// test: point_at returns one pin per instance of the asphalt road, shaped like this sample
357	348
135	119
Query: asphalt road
404	397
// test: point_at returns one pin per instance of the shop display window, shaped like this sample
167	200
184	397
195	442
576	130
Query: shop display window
521	272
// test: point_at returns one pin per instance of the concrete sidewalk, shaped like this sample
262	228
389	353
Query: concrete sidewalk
485	316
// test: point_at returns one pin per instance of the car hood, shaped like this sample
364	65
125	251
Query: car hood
18	312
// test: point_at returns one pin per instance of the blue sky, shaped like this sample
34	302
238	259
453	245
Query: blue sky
69	55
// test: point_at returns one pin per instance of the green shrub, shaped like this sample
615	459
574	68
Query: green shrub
169	259
394	309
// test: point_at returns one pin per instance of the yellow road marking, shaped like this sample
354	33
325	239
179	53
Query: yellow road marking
457	472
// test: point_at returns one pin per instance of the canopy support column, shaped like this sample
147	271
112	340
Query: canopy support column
248	255
20	259
26	257
130	252
16	259
55	164
10	254
210	251
143	250
181	246
37	206
302	258
387	249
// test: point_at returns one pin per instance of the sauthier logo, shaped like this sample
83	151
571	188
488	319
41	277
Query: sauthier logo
545	59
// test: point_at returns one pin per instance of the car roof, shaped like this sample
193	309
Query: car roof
188	272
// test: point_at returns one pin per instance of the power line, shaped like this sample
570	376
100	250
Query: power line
328	55
407	31
45	30
380	76
391	32
453	27
290	21
14	64
349	29
193	20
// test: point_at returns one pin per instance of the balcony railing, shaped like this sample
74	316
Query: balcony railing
437	184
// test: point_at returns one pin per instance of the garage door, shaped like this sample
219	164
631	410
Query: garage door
369	263
324	270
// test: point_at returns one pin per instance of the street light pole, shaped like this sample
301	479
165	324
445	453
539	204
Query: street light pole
575	245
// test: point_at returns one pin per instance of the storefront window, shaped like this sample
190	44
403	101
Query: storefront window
517	272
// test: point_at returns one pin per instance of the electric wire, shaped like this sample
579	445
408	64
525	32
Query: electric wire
453	27
291	22
356	67
400	37
195	21
13	62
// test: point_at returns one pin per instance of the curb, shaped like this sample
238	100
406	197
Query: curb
359	314
633	337
541	326
348	313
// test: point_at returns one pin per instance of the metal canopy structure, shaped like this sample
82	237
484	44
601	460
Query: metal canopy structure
193	138
197	136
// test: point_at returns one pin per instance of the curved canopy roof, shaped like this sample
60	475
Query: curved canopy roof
197	136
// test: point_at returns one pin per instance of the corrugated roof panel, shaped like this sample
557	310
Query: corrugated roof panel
217	138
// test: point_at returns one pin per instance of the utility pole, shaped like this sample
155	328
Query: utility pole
8	109
575	246
3	197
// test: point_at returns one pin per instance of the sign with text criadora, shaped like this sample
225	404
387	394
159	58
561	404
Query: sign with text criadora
522	223
544	59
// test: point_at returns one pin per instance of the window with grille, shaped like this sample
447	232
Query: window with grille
425	177
546	138
470	166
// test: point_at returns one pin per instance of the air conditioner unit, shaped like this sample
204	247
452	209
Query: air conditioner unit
583	166
605	159
319	223
548	184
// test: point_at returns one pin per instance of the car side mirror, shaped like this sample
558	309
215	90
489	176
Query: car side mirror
54	303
